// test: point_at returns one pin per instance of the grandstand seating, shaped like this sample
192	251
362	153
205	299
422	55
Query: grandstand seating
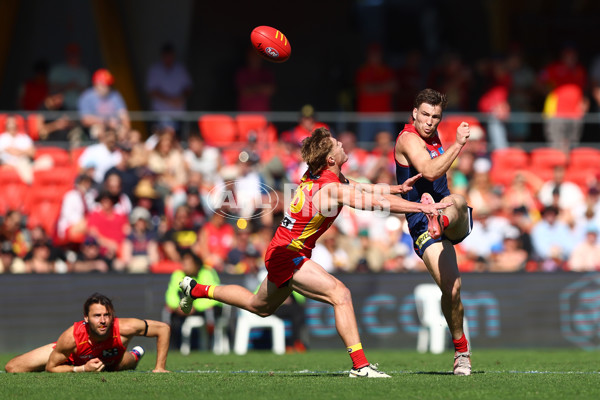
506	163
584	157
33	124
547	158
42	207
265	132
60	156
447	128
13	190
218	129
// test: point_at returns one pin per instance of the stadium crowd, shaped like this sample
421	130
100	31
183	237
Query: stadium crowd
132	204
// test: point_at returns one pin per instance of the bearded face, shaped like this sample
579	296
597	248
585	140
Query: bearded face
100	321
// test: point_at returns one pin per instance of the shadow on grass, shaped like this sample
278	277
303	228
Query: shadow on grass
440	372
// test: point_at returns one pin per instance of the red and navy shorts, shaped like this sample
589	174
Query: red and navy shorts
417	225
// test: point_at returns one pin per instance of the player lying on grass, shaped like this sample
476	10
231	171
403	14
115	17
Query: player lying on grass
318	200
98	343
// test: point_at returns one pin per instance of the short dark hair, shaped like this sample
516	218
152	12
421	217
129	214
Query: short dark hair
430	96
316	148
98	298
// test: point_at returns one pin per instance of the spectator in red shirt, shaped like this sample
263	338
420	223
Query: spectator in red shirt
255	84
35	90
565	70
108	227
375	88
306	124
216	240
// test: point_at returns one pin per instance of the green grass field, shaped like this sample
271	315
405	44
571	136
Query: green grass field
497	374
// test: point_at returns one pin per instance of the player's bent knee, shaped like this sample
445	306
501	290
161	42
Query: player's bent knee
459	202
341	295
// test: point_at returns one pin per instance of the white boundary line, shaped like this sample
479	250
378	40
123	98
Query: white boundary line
307	372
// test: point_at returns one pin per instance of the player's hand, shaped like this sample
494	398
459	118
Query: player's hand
434	208
462	133
406	186
94	365
160	370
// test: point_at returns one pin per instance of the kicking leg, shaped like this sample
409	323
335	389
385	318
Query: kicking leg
32	361
315	283
457	216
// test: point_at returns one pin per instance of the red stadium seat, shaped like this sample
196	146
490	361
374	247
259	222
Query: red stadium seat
60	156
510	158
33	126
14	190
582	176
547	158
502	176
42	207
44	214
75	154
447	128
218	129
257	123
230	156
584	157
38	195
60	179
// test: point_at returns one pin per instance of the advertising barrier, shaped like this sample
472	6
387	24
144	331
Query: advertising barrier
502	310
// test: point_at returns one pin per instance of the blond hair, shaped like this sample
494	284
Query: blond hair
316	148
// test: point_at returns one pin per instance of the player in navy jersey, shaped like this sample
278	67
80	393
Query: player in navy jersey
419	150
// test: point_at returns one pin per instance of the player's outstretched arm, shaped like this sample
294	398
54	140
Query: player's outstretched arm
393	189
162	332
335	195
411	147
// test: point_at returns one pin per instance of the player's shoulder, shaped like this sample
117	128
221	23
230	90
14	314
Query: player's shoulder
407	137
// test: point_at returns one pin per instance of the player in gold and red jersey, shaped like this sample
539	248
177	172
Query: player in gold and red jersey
317	201
98	343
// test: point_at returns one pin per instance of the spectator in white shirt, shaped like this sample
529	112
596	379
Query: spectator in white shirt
74	209
101	156
17	150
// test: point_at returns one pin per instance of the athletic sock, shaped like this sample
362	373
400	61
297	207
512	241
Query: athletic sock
202	291
358	357
445	221
136	354
461	345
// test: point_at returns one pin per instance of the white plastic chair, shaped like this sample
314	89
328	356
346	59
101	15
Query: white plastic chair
220	338
433	329
246	321
191	322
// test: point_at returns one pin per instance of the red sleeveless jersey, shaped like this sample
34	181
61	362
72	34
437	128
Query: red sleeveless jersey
302	223
110	351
